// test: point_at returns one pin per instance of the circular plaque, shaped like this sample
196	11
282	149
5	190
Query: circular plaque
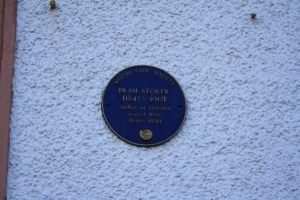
143	105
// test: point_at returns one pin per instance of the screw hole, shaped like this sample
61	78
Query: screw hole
253	16
52	4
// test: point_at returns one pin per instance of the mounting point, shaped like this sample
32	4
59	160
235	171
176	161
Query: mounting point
52	4
253	16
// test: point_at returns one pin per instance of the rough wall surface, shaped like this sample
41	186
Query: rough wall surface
241	79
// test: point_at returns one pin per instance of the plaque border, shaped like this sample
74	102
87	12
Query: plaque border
133	143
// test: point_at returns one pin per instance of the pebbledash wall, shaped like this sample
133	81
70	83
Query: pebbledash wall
241	78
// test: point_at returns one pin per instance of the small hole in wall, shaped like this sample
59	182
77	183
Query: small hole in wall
253	16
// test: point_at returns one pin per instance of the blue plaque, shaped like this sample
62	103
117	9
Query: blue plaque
143	105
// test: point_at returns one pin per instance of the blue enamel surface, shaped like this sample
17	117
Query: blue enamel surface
141	79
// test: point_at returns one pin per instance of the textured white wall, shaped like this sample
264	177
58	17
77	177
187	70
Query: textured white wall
241	79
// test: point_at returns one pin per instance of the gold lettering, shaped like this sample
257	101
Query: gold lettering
142	70
154	121
122	76
130	98
122	90
135	120
160	108
130	90
165	77
127	107
154	114
158	99
133	90
132	114
155	91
